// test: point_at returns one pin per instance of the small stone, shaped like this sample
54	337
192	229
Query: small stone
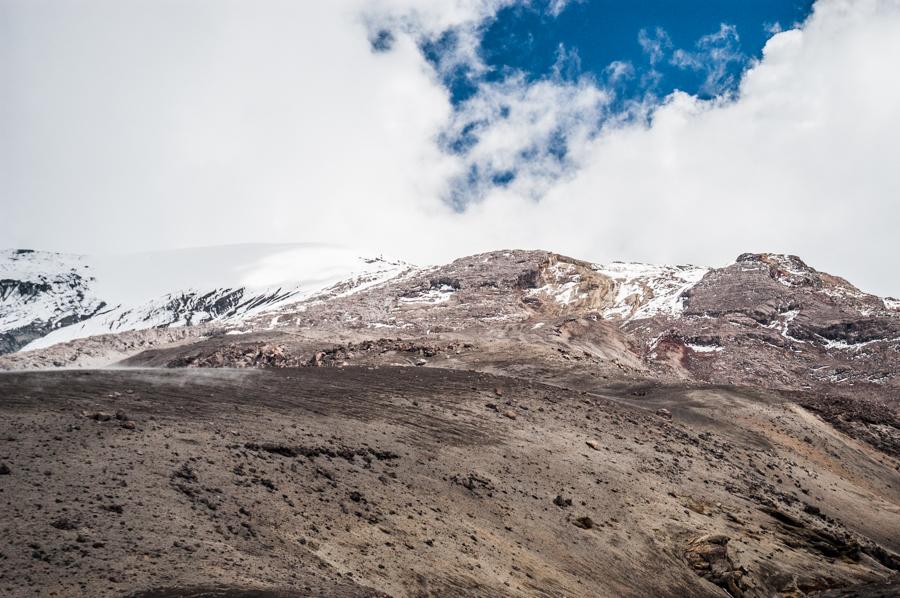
719	539
421	362
664	413
593	444
811	509
510	414
65	523
4	469
584	522
561	502
129	425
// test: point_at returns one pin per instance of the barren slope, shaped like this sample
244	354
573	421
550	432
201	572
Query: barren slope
422	481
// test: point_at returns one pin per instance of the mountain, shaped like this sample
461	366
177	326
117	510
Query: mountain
50	298
304	420
764	317
766	320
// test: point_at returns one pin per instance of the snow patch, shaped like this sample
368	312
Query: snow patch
646	290
44	288
783	325
431	296
844	345
704	348
563	287
842	292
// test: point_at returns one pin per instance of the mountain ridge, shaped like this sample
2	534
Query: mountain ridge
55	274
765	320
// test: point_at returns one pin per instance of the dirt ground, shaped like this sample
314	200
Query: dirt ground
420	481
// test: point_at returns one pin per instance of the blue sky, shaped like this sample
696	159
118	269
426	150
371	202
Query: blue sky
636	52
586	37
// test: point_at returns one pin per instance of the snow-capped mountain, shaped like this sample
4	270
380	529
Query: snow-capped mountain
48	298
41	292
763	317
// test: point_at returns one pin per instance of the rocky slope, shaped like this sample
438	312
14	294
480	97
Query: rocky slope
516	423
422	481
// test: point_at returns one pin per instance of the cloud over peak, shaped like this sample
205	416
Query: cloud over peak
285	121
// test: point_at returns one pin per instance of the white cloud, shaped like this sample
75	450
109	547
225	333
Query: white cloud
524	129
161	124
713	56
155	124
555	7
619	70
655	45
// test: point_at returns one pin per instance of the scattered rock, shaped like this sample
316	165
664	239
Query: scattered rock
234	356
708	556
445	281
584	522
813	537
64	523
811	509
338	355
662	412
474	483
561	502
185	472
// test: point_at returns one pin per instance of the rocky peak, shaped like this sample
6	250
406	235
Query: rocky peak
789	270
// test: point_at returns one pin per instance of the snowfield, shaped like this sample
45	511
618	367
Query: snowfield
646	290
174	288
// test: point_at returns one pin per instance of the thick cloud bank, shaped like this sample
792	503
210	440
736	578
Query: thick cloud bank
128	126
